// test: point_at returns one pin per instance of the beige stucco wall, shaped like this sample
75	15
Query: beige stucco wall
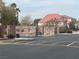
31	30
26	30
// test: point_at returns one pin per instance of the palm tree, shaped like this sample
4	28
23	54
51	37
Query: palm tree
13	5
17	10
15	22
17	13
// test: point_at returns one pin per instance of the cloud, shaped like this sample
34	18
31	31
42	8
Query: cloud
39	8
19	2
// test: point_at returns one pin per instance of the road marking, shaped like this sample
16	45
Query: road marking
70	44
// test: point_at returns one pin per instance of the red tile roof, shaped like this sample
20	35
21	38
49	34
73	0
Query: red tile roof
53	17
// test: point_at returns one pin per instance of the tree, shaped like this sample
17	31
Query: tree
17	10
9	16
72	24
26	21
13	5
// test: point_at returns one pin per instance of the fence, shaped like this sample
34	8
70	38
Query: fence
26	30
31	30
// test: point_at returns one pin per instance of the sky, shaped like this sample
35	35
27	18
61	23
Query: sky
40	8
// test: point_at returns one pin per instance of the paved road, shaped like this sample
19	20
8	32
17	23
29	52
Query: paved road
62	37
57	38
38	52
43	48
69	37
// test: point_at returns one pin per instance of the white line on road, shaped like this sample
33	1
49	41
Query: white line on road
71	43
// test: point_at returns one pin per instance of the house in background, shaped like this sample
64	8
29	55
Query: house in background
77	24
61	23
51	19
36	21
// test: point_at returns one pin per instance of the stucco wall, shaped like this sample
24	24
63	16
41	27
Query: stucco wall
31	30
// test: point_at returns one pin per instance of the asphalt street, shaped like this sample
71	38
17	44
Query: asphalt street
54	47
38	52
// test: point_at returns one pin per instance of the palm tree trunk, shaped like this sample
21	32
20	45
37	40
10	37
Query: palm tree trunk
1	32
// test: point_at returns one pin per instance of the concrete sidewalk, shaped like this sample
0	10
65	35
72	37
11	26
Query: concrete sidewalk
3	38
75	32
16	40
